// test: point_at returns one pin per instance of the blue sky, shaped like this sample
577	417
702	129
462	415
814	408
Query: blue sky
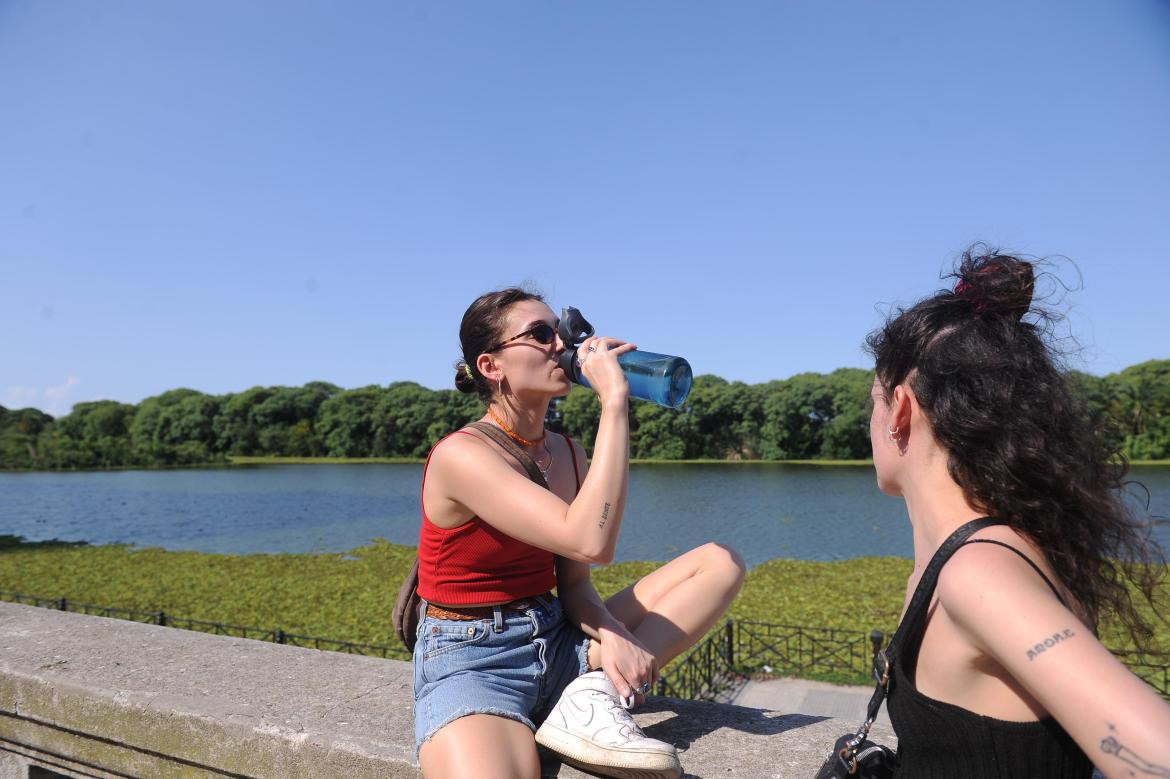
219	194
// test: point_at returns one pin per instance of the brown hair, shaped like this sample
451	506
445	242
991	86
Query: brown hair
482	326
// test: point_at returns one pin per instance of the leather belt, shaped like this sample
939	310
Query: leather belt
469	613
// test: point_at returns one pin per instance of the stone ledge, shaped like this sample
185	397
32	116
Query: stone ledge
95	697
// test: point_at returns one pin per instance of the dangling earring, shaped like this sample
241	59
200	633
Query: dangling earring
500	387
894	433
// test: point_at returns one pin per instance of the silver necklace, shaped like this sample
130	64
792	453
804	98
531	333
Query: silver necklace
547	466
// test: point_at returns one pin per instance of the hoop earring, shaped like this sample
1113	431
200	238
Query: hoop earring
894	433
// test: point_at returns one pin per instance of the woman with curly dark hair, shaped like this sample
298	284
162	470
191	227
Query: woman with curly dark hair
972	418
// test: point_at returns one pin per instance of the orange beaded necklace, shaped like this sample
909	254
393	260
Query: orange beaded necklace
512	433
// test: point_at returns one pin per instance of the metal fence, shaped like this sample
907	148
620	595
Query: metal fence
275	635
713	670
738	651
732	654
790	650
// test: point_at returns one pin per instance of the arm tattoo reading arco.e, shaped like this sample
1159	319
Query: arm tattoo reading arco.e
1046	643
604	516
1112	746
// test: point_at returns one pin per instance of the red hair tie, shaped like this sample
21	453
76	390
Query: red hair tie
963	289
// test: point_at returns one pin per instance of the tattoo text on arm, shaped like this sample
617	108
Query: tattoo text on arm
604	516
1049	642
1111	746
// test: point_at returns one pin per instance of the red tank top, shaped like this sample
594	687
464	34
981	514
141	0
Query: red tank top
475	563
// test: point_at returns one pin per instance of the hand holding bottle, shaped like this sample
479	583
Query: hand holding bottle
597	363
661	378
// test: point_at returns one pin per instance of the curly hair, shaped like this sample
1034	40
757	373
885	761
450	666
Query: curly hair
1020	440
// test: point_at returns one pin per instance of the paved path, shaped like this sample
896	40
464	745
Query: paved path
798	696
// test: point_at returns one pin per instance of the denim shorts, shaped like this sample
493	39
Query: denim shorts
513	666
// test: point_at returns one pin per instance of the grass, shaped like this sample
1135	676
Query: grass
349	596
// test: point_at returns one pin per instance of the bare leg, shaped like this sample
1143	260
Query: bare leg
673	607
481	746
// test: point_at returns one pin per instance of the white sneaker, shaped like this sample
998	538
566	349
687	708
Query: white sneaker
589	729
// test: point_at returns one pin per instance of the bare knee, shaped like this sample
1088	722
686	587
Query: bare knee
726	560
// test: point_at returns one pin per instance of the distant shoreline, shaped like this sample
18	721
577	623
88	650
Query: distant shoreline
277	460
243	462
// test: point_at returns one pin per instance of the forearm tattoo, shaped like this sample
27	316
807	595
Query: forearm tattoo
604	516
1111	746
1048	642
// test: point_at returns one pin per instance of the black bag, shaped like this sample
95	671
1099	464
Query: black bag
406	605
863	759
854	755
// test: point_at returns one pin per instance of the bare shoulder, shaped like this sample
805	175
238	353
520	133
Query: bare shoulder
984	584
460	450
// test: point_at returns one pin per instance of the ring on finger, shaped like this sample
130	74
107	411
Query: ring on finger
645	688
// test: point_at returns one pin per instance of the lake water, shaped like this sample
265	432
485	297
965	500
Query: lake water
763	510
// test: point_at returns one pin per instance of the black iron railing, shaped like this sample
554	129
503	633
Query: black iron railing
738	651
713	669
275	635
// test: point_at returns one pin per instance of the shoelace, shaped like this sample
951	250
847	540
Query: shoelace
620	714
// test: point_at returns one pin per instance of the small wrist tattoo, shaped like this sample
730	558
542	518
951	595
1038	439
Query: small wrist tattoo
604	516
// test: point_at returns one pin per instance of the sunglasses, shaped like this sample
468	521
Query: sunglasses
541	332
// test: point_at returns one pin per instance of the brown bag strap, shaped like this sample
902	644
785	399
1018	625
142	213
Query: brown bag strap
509	446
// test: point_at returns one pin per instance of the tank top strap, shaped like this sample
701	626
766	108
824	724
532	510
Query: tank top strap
573	454
423	483
1026	559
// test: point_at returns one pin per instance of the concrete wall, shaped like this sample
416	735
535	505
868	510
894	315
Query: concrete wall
93	697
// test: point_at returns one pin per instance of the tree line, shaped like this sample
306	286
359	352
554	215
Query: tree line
810	416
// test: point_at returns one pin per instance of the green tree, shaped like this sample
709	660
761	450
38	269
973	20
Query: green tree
845	435
1100	396
345	422
1144	395
100	429
235	427
19	433
657	432
403	415
453	411
283	420
580	413
796	411
723	419
175	428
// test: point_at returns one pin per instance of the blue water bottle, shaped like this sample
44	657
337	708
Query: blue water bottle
660	378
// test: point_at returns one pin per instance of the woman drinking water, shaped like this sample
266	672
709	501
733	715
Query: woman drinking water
498	656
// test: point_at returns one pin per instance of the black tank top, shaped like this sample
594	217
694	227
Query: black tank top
938	739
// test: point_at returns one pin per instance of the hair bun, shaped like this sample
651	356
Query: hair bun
996	283
464	379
